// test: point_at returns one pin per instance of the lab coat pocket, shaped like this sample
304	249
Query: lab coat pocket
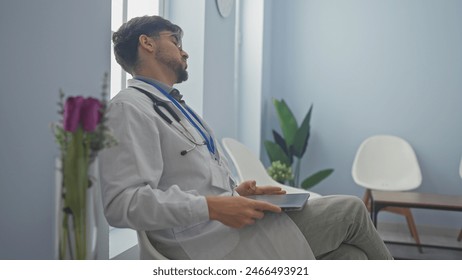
219	177
207	240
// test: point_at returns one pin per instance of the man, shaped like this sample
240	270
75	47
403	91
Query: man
167	176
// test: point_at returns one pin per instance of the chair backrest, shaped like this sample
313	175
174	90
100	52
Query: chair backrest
249	167
147	250
386	162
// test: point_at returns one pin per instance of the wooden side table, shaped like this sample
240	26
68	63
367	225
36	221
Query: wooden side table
382	199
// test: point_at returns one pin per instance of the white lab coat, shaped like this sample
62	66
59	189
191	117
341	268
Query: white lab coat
148	185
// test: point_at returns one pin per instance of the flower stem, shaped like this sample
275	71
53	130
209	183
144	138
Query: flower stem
75	172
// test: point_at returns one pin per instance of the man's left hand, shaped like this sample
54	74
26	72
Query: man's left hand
247	188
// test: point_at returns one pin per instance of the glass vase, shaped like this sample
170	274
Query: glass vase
76	227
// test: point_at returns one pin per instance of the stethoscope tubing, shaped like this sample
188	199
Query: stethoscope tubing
156	103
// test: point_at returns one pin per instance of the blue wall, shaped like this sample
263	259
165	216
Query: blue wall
372	67
46	45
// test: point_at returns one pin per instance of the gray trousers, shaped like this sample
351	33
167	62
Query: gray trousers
339	227
336	227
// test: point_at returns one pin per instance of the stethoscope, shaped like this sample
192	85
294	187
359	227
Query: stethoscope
188	113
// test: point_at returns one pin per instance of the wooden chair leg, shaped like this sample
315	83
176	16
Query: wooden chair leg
412	228
411	225
401	211
459	238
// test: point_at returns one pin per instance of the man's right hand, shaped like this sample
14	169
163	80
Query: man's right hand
238	211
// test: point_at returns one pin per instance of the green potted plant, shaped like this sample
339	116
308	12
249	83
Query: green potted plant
290	147
280	172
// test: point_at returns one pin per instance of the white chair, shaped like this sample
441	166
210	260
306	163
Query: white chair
388	163
147	250
249	167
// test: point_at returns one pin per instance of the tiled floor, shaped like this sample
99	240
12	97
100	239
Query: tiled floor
434	236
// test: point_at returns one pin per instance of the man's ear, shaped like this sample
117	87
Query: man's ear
147	43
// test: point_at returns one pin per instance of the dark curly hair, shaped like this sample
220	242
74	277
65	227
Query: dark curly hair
126	38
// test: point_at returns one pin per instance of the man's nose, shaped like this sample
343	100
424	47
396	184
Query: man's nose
184	54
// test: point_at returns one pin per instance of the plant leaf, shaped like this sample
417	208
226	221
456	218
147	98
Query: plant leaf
302	136
278	139
316	178
287	121
276	153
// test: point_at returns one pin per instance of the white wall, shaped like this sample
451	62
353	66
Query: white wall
209	41
370	67
46	45
219	63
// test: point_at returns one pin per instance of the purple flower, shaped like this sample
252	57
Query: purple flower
90	114
72	113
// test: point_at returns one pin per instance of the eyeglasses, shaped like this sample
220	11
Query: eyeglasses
176	38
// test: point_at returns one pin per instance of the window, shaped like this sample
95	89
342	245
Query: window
120	240
122	11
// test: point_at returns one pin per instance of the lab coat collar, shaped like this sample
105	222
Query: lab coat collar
150	88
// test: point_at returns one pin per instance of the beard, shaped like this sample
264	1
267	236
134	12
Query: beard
182	75
174	65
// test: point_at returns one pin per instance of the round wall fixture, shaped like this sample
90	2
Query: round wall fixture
225	7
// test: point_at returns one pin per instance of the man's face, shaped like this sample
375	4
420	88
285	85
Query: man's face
171	54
